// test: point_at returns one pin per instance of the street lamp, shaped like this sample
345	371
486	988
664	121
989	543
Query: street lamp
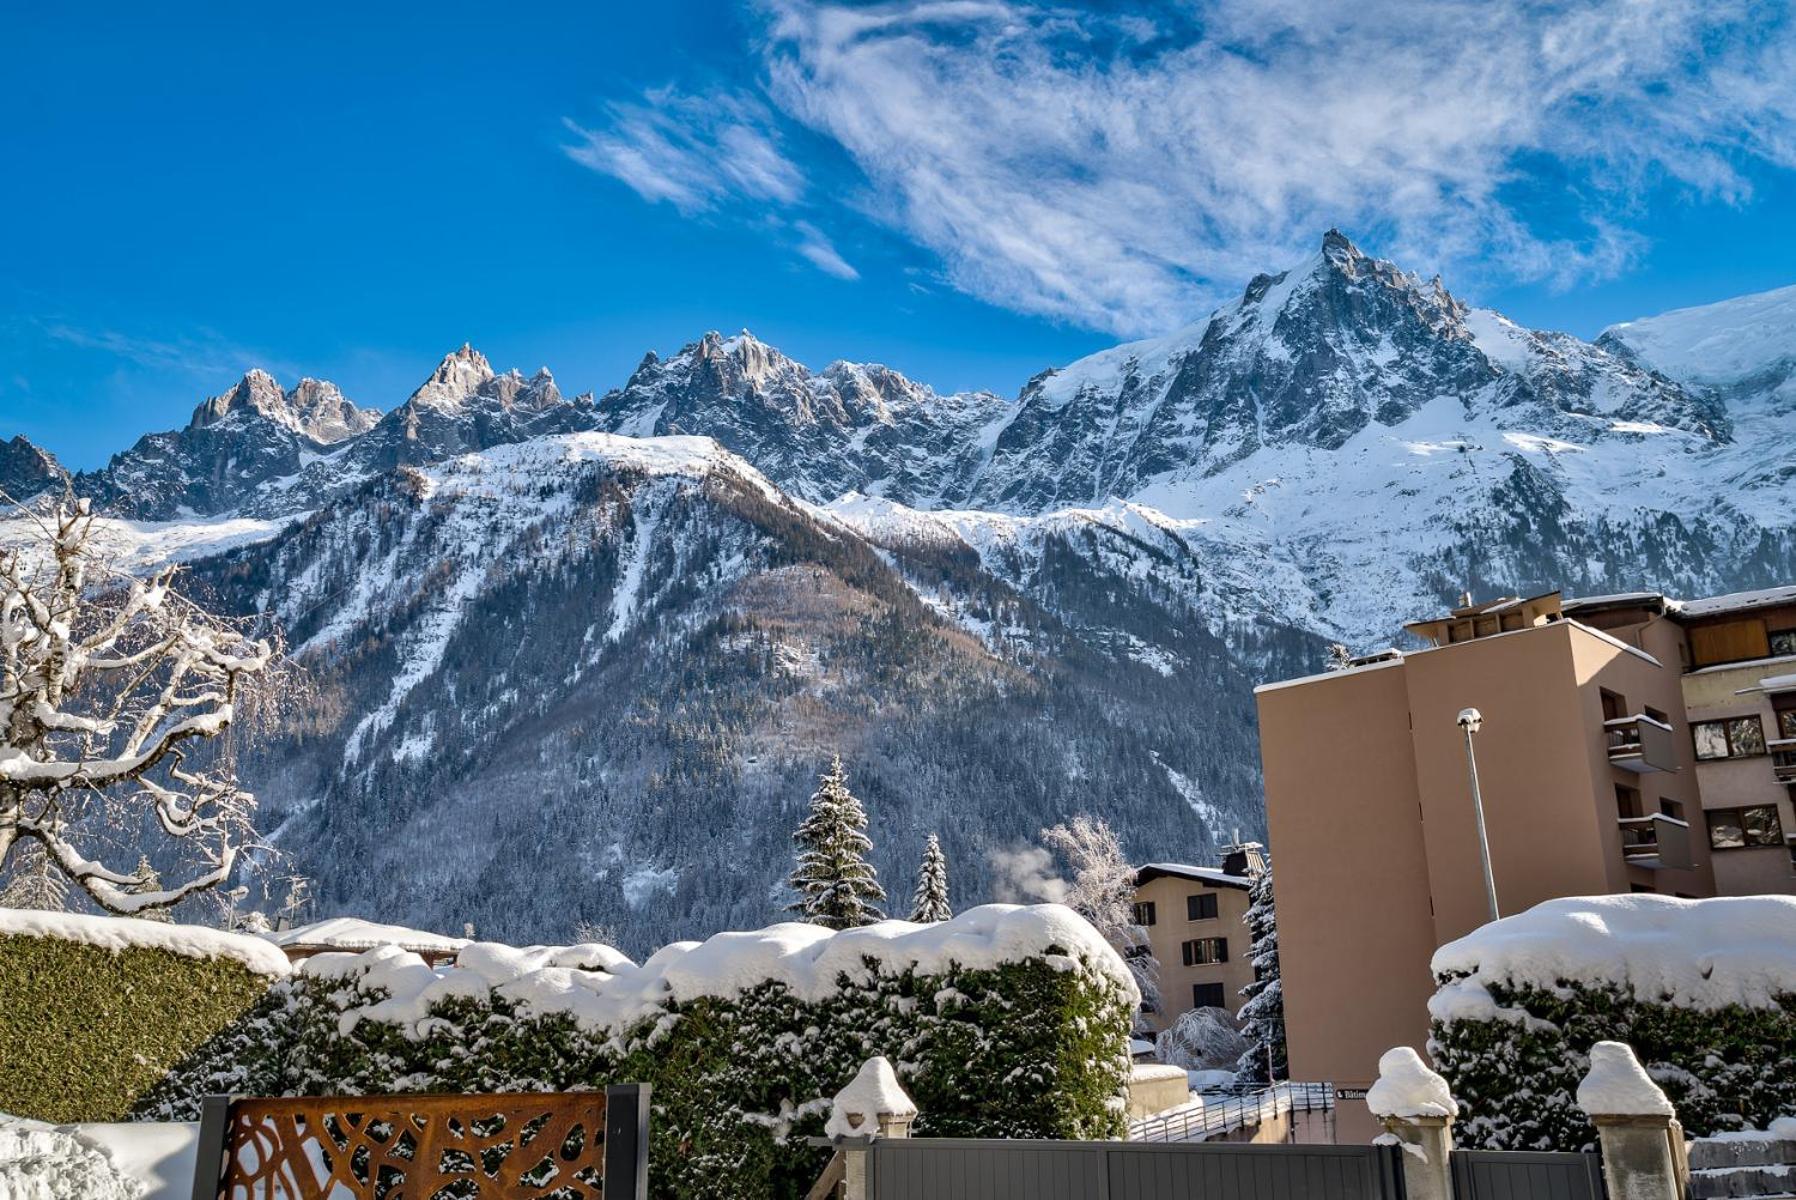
1471	720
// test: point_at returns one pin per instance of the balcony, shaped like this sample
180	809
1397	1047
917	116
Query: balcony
1783	759
1641	744
1658	843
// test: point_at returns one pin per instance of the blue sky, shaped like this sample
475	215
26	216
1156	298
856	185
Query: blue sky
970	190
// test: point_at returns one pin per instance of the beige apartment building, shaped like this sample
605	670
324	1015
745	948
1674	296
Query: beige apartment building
1195	918
1628	743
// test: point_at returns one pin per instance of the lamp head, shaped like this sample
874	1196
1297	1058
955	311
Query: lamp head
1471	720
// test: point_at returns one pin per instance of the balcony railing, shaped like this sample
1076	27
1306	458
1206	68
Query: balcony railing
1783	759
1640	744
1656	842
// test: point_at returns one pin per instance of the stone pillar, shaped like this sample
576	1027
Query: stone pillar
1636	1127
871	1107
1417	1109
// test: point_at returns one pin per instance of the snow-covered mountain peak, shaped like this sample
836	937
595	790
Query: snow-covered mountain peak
459	376
1749	340
314	408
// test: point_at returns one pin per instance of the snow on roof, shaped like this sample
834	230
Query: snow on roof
1207	874
1406	1087
1618	1086
602	989
1614	598
353	933
874	1092
1693	953
1736	601
124	933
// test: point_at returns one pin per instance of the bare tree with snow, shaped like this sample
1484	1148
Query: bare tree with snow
1102	890
106	684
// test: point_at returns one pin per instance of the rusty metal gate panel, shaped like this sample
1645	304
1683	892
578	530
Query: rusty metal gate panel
994	1169
1526	1175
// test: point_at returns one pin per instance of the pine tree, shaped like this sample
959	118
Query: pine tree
930	901
837	887
149	880
1339	657
1263	1013
36	883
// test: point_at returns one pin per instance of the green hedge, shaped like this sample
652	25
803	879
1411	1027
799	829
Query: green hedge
1034	1048
85	1030
1515	1072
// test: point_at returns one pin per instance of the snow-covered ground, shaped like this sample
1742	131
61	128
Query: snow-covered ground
113	1161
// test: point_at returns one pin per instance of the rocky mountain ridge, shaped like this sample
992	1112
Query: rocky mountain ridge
652	616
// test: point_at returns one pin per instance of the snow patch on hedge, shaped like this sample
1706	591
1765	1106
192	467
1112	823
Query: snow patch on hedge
603	990
1707	954
128	933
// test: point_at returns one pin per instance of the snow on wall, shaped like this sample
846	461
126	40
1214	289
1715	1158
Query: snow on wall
1692	953
603	990
1618	1086
124	933
1406	1087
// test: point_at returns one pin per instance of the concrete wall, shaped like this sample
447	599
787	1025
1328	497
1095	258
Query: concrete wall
1355	924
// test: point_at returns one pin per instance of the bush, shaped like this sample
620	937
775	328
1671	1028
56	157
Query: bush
1703	990
87	1027
1030	1047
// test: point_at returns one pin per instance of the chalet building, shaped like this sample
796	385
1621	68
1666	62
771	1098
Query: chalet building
1195	918
1628	743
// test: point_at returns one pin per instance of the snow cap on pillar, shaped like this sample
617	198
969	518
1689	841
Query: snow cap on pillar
872	1100
1406	1087
1618	1086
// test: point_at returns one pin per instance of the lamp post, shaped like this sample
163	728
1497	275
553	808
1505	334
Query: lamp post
1471	720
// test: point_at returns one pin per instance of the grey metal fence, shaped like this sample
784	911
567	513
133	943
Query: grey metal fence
1212	1115
1526	1175
988	1169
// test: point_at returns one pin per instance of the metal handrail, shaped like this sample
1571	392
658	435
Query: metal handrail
1221	1114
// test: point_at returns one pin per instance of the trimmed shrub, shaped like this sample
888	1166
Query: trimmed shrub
1030	1047
86	1027
1703	990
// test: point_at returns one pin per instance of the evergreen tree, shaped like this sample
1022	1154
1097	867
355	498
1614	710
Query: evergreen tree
1263	1014
1339	657
930	901
148	880
36	883
836	885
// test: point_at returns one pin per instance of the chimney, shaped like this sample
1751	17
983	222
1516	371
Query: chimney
1246	859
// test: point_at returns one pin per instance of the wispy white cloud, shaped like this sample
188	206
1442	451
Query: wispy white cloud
821	253
201	355
1124	171
693	152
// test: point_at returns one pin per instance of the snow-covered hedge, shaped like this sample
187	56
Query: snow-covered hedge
1703	990
1005	1021
95	1010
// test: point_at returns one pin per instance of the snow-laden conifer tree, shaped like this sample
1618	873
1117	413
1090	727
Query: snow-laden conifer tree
1263	1014
149	880
930	901
836	885
35	882
105	684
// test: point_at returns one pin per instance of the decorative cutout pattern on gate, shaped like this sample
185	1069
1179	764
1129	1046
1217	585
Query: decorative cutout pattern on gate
521	1146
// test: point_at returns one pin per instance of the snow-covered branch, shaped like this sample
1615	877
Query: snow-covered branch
103	678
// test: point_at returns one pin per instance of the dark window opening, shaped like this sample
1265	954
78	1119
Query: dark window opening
1207	995
1202	952
1144	912
1201	907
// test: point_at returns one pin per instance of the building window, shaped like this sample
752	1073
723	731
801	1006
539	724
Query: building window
1144	912
1201	907
1736	737
1785	704
1202	952
1783	641
1737	828
1627	802
1672	808
1614	706
1207	995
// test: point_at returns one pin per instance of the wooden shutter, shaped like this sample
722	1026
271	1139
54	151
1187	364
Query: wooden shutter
1732	641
